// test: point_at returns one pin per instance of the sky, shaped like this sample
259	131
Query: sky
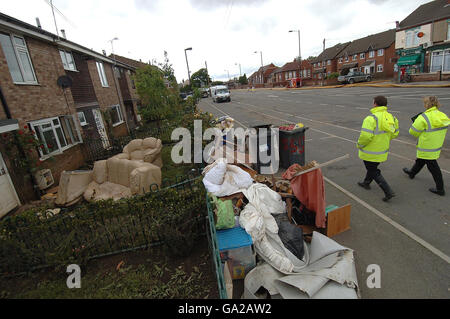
224	34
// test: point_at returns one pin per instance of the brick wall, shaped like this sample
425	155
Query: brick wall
34	102
106	96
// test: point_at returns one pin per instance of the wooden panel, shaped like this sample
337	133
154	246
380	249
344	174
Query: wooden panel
338	220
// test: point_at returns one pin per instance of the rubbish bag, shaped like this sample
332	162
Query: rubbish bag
290	235
225	213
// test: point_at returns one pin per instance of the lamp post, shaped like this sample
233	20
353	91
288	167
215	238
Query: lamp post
262	68
187	64
240	73
299	57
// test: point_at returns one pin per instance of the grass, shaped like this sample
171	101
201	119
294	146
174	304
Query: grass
137	275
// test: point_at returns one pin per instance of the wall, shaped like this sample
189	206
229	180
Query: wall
400	36
82	88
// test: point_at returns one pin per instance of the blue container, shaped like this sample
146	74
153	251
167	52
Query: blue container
236	248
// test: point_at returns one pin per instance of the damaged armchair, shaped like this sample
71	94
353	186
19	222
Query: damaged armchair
147	150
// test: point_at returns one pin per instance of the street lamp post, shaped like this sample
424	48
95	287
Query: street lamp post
187	64
240	73
262	68
299	56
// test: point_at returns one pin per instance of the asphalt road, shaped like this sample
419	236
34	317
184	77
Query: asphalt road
407	237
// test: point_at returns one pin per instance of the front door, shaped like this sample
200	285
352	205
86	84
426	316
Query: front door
101	127
7	191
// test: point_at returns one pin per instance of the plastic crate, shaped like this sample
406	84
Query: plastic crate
236	247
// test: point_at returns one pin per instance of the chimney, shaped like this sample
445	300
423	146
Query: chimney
104	52
397	24
63	33
38	23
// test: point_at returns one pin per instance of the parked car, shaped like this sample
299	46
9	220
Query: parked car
204	92
220	93
353	77
184	96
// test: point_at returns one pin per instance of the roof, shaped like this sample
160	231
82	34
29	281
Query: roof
128	61
291	66
30	30
426	13
376	41
331	53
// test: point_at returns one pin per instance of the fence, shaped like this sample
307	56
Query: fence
171	215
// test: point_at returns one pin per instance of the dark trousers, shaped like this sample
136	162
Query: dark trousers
372	171
434	169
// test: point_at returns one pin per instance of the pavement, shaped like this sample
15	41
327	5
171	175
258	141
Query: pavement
407	237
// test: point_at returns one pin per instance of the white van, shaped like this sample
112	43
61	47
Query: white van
220	93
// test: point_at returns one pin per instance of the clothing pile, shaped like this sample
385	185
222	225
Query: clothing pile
240	200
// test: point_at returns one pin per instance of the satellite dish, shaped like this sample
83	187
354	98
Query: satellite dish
64	81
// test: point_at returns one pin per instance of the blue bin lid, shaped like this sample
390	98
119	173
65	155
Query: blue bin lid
233	238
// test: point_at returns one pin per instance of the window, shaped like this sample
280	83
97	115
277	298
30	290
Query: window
440	61
412	40
371	54
101	74
380	52
116	115
67	60
346	59
340	60
82	118
309	73
448	30
18	59
362	56
380	68
55	134
355	57
329	62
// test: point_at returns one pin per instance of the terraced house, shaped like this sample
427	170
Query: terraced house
422	42
374	55
64	94
326	62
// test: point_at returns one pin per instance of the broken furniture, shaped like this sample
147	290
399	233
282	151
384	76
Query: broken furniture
72	185
147	150
119	177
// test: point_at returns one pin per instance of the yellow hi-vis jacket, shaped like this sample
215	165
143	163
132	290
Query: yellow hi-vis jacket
430	127
378	129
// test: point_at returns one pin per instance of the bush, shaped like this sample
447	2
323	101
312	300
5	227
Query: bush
333	75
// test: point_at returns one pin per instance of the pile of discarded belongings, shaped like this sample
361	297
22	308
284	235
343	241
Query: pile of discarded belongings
286	220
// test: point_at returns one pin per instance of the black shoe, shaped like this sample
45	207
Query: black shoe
388	192
388	197
364	185
408	172
438	192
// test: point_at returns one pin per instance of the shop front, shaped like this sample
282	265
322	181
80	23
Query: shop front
412	60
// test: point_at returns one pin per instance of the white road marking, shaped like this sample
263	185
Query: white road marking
340	105
362	108
399	227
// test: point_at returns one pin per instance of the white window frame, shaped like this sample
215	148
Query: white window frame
329	62
102	74
448	30
346	59
24	49
355	57
380	52
362	56
371	54
60	149
63	54
83	121
444	54
380	68
340	60
119	113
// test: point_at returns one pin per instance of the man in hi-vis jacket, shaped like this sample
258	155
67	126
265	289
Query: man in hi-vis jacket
378	129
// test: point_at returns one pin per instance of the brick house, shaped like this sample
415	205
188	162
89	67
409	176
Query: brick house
261	77
326	62
60	91
374	54
288	74
422	41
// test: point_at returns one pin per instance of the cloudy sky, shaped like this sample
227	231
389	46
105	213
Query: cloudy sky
224	33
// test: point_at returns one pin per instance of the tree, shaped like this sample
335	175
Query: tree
243	79
158	101
200	78
217	83
168	71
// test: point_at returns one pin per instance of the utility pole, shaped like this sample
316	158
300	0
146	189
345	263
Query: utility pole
262	69
299	56
187	64
323	63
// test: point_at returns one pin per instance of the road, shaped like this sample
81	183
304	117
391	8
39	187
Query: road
407	237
